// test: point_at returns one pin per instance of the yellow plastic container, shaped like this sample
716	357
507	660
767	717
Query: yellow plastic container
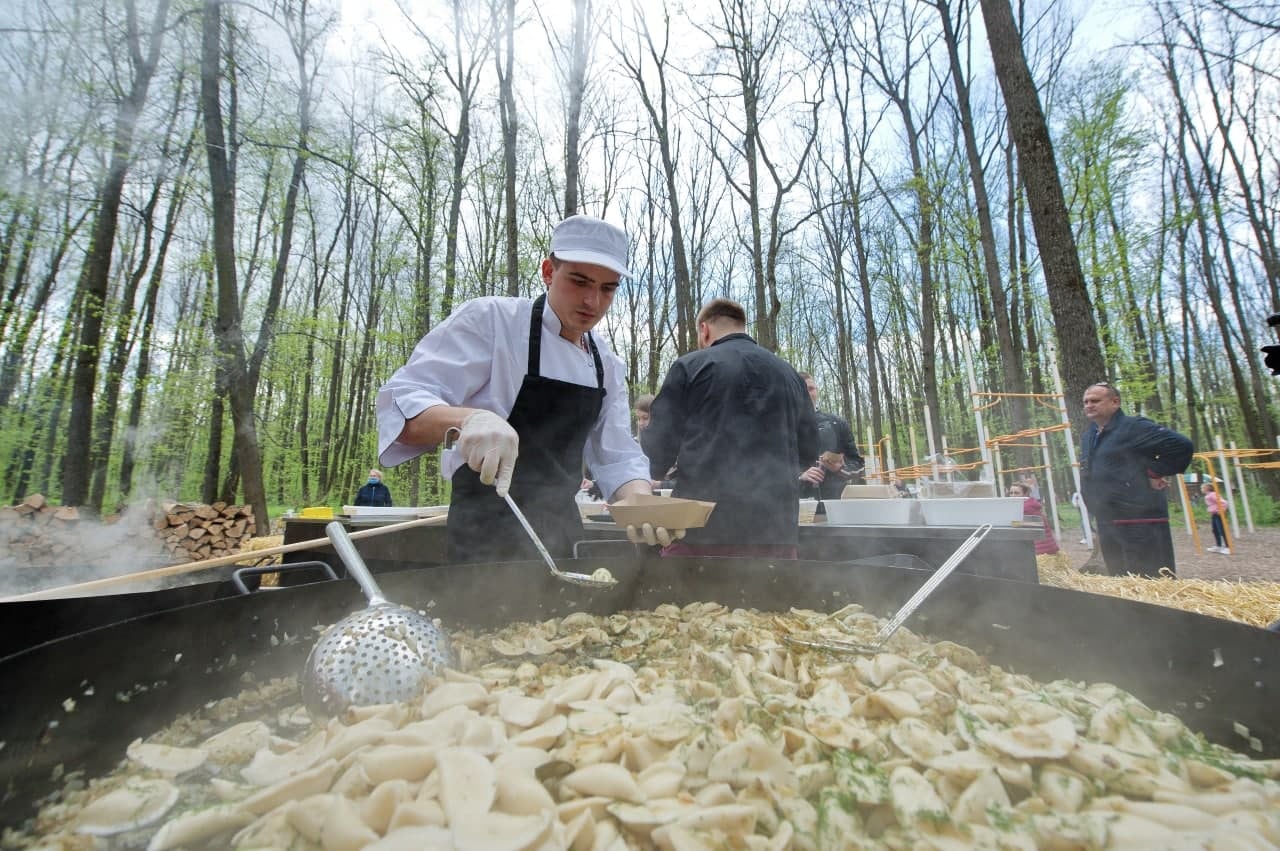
321	512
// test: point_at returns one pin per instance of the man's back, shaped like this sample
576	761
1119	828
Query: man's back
738	420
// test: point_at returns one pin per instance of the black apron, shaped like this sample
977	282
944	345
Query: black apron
553	419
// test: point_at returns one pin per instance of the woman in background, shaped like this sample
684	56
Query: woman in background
1032	507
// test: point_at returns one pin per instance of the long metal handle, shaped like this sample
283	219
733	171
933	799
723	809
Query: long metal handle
934	581
354	563
533	536
80	589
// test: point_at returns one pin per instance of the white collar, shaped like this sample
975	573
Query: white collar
551	322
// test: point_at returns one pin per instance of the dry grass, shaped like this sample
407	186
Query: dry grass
1254	603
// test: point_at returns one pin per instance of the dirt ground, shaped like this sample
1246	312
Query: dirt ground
1255	556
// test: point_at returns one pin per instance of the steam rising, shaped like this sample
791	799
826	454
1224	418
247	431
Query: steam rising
98	551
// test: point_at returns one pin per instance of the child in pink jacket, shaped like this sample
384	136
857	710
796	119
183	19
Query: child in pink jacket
1217	507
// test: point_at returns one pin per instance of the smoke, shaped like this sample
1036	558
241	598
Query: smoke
42	552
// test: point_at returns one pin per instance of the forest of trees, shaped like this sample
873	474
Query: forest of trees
223	225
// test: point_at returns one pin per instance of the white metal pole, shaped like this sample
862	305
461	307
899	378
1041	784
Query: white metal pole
997	471
928	435
1186	503
977	414
1226	484
1244	494
948	463
872	461
1048	480
1072	458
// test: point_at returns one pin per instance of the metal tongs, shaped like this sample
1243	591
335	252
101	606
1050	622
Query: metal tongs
908	609
573	578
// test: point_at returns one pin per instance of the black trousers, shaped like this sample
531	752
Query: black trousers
1141	547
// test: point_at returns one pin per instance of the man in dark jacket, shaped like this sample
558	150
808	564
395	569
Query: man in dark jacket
839	463
1123	464
737	420
374	492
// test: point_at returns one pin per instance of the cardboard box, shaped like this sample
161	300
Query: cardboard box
869	492
669	512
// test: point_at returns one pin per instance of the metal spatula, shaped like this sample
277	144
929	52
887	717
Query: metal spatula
908	608
601	579
380	654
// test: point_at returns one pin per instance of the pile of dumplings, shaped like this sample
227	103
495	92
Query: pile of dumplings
692	728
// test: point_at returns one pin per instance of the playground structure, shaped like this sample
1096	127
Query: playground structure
986	459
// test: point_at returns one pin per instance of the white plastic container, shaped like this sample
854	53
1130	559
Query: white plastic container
972	511
591	507
808	509
872	512
388	512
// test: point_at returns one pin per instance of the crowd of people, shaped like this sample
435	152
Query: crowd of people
504	379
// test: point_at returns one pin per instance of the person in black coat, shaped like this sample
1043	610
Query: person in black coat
374	492
737	421
1123	464
838	463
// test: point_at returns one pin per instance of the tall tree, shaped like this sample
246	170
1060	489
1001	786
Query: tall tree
143	52
580	56
649	69
1081	355
228	328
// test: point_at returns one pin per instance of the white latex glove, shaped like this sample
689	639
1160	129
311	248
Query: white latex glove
490	446
653	535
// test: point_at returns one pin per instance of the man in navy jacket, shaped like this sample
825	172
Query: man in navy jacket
1123	464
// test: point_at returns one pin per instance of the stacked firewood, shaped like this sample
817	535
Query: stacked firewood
195	531
34	533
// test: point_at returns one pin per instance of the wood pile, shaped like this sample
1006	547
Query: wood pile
195	531
34	533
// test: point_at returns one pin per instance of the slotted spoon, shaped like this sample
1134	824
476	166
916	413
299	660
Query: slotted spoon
380	654
908	608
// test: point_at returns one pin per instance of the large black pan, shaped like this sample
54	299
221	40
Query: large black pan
1212	673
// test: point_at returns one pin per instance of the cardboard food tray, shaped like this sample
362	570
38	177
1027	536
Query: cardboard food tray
666	511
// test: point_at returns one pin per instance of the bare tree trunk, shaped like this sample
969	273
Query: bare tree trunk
657	104
125	334
1012	375
579	49
91	291
228	331
1080	354
505	55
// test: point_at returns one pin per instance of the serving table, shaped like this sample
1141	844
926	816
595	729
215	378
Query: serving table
1006	553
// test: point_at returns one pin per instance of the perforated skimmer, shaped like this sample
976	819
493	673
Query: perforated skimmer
380	654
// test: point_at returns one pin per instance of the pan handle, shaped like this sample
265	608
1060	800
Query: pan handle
237	576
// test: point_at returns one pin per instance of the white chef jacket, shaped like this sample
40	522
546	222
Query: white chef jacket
478	358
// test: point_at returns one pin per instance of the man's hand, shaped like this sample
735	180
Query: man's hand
653	535
490	445
813	475
1158	483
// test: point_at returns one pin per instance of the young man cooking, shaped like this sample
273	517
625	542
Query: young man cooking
738	422
503	378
